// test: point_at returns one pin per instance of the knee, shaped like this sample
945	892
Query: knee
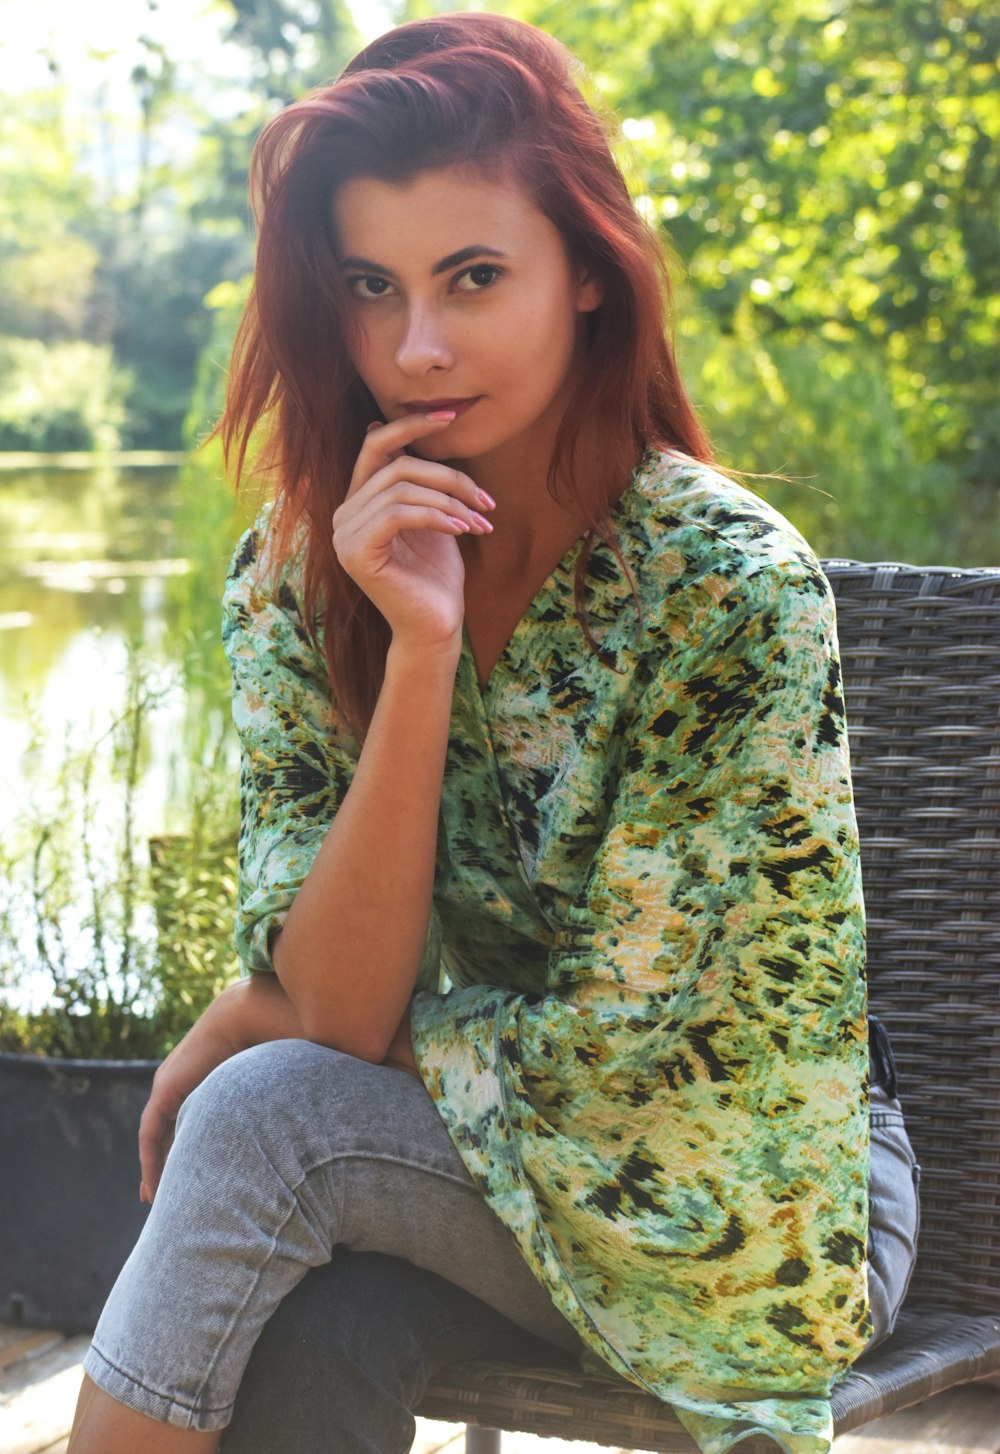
253	1094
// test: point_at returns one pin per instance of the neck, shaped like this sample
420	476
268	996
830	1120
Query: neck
532	531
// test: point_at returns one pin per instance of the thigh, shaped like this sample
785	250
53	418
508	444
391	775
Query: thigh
282	1154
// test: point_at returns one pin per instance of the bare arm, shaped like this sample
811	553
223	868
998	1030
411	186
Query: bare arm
250	1012
350	950
351	945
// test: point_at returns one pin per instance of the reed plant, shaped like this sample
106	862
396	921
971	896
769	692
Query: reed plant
111	944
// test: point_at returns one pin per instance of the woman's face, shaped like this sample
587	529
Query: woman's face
463	297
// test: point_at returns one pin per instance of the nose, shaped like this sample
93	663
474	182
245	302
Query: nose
424	345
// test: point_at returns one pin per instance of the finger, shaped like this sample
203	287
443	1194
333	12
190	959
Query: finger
408	492
386	442
156	1134
152	1171
409	470
359	549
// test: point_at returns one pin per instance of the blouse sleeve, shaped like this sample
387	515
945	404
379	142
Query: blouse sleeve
296	760
676	1132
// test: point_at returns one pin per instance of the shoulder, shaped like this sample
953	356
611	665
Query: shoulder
265	633
259	587
700	542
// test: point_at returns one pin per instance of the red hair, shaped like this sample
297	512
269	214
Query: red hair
477	90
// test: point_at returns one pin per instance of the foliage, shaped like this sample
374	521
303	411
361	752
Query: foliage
128	951
158	325
59	396
824	417
46	212
106	238
295	45
224	305
827	170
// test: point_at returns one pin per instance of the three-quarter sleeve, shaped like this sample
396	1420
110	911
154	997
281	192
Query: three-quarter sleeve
297	760
676	1131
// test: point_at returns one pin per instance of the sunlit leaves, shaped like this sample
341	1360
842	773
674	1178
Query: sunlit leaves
828	172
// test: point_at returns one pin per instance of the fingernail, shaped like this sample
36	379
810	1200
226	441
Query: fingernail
483	524
463	525
443	414
487	500
373	425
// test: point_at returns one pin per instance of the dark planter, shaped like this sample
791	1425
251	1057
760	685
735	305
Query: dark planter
69	1184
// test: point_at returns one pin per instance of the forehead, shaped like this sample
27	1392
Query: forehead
437	212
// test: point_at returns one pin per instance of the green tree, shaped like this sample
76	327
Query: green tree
126	262
47	207
828	172
296	43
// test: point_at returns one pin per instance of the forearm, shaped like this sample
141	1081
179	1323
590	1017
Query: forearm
255	1010
352	943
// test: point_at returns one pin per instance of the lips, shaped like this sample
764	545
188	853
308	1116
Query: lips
435	406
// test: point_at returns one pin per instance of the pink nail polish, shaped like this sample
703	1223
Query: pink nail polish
463	525
483	524
487	500
442	414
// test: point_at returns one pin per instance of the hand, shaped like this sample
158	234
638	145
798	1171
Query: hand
246	1013
397	532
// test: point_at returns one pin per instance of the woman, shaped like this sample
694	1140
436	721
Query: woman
556	709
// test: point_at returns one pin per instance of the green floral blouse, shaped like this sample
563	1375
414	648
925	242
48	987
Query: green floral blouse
641	1012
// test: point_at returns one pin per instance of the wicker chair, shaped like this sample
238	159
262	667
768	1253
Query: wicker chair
921	654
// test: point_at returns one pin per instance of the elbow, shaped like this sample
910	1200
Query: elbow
357	1040
338	1016
352	1029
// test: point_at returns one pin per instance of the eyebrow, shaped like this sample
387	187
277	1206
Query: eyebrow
453	260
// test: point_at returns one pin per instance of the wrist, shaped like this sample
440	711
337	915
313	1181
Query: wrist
233	1013
423	659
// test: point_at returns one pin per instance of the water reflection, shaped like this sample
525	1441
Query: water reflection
96	563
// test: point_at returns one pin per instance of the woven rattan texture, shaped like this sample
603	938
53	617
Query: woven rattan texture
921	654
560	1403
926	1353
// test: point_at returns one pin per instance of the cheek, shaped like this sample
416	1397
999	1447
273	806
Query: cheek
359	348
368	344
556	337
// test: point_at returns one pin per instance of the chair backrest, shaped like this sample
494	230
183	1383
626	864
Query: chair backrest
921	656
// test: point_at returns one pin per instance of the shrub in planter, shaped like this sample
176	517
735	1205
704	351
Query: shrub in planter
107	956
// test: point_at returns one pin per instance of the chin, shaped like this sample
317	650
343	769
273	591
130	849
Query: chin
447	446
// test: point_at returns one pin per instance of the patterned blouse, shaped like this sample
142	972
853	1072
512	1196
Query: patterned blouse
641	1011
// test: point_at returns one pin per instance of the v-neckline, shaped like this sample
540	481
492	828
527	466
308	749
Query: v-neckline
544	590
565	561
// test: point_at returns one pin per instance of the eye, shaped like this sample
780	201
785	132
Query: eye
478	277
368	285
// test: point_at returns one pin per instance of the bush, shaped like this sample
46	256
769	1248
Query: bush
59	396
127	949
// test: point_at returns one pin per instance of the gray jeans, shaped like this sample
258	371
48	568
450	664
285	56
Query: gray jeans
290	1150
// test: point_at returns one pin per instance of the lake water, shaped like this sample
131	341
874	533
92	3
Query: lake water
97	564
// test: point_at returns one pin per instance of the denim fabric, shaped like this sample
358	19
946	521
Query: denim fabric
348	1354
281	1154
894	1212
290	1151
